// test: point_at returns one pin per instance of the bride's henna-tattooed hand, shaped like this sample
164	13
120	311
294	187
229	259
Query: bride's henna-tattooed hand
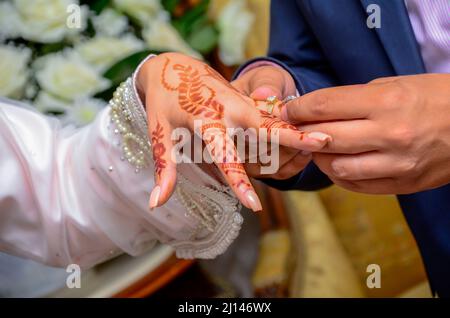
179	90
158	149
270	122
191	97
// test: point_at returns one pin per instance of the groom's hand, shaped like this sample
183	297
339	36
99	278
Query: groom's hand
389	136
264	81
260	83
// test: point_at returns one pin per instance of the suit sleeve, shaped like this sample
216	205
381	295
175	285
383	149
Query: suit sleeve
294	47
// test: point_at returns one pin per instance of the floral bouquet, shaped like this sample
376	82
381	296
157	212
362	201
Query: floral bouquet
66	57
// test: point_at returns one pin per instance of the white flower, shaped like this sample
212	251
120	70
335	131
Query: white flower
30	91
104	51
14	71
141	10
110	23
46	102
66	75
9	21
46	21
80	112
83	111
161	35
234	24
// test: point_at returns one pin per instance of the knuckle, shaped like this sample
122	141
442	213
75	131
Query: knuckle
292	111
409	167
319	105
402	136
398	95
339	171
392	97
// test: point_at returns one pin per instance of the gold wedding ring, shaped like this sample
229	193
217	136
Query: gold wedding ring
271	102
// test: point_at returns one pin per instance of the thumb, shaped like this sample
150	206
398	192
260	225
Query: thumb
266	82
266	90
263	82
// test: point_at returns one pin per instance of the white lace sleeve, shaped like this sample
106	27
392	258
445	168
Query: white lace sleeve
209	204
216	210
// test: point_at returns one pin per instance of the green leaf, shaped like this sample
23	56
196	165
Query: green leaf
185	24
204	39
120	71
97	5
170	5
125	67
51	47
107	94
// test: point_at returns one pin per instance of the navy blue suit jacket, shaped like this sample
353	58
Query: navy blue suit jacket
325	43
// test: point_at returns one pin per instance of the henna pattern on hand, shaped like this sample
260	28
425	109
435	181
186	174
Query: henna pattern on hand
229	162
191	92
158	149
243	185
214	125
216	139
237	169
270	122
198	98
233	167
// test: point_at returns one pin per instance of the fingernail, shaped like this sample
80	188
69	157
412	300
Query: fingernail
253	201
154	197
319	136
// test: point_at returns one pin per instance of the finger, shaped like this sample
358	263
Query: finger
277	132
224	154
266	90
298	139
264	81
253	169
365	166
292	167
349	137
336	103
268	81
285	155
373	186
241	85
261	94
164	166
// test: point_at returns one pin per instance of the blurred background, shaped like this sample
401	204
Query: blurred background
304	244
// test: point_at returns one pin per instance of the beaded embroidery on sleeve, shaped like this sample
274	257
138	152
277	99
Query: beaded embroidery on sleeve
214	208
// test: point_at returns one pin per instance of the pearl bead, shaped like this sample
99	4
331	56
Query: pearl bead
128	116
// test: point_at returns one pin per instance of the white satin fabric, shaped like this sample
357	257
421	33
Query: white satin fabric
66	196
